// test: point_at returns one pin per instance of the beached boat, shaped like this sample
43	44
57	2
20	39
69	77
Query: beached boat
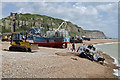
51	42
58	38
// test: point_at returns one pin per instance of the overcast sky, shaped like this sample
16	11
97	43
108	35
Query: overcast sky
101	16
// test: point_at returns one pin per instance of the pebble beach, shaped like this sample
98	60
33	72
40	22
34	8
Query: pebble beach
45	63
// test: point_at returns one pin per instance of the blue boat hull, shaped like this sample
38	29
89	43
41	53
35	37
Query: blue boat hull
51	42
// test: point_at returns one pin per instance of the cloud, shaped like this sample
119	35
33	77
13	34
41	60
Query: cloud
106	7
20	10
0	10
88	15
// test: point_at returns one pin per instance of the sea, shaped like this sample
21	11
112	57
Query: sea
112	49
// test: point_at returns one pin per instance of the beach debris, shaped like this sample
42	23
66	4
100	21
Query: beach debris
74	58
66	54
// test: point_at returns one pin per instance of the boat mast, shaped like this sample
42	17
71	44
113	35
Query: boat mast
60	26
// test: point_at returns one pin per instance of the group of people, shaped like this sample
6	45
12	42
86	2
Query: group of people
86	52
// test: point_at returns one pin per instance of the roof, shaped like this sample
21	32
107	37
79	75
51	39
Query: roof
11	33
6	33
15	32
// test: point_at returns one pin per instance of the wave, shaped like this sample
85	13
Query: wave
116	71
107	43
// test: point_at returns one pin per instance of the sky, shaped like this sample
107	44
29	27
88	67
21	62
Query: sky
101	16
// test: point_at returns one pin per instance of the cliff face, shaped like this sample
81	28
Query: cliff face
94	34
26	21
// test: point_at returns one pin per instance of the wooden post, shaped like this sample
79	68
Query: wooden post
65	45
13	15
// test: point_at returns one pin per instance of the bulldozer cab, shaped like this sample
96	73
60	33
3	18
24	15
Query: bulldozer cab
17	38
18	42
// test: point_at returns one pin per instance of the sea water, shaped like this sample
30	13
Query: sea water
111	49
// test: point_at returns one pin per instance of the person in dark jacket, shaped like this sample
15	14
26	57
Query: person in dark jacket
73	47
90	46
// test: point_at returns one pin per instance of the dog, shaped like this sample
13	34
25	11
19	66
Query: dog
100	59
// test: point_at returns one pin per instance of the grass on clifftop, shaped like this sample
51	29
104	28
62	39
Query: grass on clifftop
91	31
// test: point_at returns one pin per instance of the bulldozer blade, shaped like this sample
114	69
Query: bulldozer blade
34	46
5	45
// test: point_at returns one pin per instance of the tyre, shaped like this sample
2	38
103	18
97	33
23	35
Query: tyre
11	48
29	50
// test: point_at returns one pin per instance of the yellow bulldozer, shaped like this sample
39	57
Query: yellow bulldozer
17	42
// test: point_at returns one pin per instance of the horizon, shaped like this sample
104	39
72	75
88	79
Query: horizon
86	15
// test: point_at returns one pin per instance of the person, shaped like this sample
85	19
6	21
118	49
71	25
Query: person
84	46
95	52
81	52
73	47
98	58
90	46
84	52
89	55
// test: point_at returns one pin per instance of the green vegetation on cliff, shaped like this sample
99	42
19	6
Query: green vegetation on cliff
26	21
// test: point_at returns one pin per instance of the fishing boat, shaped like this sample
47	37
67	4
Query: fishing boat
57	38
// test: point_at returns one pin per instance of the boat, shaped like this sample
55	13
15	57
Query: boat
57	38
